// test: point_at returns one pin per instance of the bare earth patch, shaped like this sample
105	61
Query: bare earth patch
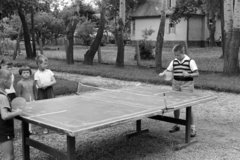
217	123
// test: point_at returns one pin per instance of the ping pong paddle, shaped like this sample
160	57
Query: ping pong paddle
18	102
168	76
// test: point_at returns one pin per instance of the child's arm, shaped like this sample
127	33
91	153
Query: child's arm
35	90
194	74
9	115
19	89
51	83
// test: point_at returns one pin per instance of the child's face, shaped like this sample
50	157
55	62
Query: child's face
43	65
6	66
25	74
179	55
8	83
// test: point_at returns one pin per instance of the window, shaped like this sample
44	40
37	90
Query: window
170	27
171	3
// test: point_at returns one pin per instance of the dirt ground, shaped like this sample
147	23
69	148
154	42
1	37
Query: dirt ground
217	123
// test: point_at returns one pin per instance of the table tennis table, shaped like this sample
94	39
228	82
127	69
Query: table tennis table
104	108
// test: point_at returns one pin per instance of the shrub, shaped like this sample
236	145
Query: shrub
146	47
146	50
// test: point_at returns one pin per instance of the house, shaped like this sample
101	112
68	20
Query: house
147	16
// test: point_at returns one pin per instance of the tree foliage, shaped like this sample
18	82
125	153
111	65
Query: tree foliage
184	8
48	27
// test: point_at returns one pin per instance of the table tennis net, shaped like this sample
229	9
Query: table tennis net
86	87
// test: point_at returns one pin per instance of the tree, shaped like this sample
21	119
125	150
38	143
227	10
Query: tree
160	40
85	32
22	7
120	51
232	34
185	8
113	12
70	16
222	27
89	55
212	11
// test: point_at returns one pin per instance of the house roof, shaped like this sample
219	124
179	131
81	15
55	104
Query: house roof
148	9
152	8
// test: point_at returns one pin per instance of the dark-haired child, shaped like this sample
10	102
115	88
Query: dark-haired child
26	87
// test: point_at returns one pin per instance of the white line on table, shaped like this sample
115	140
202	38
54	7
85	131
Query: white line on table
39	115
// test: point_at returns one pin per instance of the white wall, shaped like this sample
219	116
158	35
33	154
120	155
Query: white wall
198	30
141	24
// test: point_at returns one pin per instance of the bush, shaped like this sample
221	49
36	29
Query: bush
146	50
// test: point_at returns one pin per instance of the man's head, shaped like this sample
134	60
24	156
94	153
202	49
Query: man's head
178	52
5	79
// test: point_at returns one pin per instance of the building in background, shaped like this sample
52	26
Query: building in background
147	16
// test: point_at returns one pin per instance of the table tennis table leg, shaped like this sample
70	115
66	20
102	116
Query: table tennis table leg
188	140
188	124
138	129
71	148
25	135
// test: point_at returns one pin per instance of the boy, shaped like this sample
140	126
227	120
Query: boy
184	70
6	116
44	79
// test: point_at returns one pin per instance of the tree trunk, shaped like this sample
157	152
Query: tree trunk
222	27
116	36
41	46
187	37
138	54
89	55
27	40
231	62
33	34
17	47
99	55
120	52
70	41
160	40
232	30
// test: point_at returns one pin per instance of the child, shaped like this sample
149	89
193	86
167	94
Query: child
44	79
6	63
26	88
6	116
184	70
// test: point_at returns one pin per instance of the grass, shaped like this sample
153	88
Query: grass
110	143
207	59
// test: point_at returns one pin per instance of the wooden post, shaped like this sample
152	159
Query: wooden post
138	57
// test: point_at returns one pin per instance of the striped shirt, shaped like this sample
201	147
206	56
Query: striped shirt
177	67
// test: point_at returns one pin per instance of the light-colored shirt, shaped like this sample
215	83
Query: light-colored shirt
193	65
11	89
4	103
43	76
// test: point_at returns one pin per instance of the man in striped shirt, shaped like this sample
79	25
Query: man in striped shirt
184	71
